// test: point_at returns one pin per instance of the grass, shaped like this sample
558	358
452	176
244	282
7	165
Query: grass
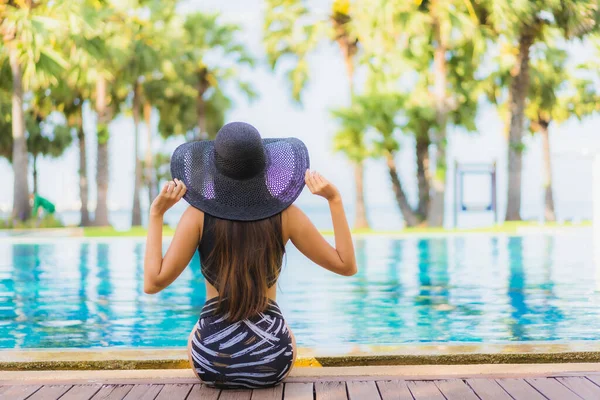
94	231
507	227
47	221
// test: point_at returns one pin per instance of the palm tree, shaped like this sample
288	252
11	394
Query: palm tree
45	137
28	31
148	28
205	33
548	76
70	97
348	44
141	62
6	139
190	96
555	95
103	119
107	98
148	163
285	36
379	111
86	48
524	24
434	31
399	50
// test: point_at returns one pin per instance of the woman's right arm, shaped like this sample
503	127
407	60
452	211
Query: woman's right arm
305	236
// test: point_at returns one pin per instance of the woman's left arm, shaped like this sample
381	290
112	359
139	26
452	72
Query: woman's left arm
159	271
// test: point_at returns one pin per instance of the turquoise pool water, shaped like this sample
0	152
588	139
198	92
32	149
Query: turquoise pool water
477	288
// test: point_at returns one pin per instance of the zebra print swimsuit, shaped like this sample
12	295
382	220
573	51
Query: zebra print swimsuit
253	353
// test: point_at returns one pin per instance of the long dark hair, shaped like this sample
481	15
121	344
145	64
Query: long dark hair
247	256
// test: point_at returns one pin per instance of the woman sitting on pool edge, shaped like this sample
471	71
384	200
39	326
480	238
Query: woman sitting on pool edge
241	189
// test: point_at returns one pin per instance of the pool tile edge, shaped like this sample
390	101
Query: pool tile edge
431	354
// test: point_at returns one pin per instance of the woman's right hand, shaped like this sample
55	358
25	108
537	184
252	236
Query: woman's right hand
170	194
320	186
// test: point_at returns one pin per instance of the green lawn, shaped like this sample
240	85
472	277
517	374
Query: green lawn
94	231
508	227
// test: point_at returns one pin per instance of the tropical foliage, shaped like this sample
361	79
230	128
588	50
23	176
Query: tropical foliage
131	57
428	67
291	33
417	71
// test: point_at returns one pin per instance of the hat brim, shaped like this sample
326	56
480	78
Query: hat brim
261	196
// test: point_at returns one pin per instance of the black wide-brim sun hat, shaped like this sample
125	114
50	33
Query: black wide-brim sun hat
240	176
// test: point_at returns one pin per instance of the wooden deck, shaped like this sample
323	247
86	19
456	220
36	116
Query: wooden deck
534	388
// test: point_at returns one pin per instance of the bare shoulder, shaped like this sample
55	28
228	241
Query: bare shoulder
288	218
293	220
292	211
291	215
194	217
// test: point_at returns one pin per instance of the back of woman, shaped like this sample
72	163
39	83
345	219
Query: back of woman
241	190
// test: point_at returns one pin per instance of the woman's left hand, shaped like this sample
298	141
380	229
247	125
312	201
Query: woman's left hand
170	194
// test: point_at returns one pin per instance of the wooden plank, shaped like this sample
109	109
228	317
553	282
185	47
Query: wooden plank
519	389
202	392
50	392
581	386
235	395
19	392
297	391
424	390
552	389
174	391
112	392
456	389
273	393
394	390
362	390
331	391
81	392
143	392
488	389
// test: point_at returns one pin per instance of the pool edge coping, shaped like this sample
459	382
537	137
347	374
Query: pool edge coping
431	354
307	374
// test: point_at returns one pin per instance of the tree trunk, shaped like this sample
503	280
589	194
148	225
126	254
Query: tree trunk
360	217
150	173
438	180
549	213
409	216
517	95
360	221
136	215
35	173
101	214
21	208
422	152
201	105
83	180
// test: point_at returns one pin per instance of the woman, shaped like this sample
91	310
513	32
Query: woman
241	189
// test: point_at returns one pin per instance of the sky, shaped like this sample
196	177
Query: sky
275	115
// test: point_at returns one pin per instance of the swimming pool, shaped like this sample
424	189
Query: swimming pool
475	288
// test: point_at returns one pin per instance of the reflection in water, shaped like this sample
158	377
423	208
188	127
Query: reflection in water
516	290
534	314
83	311
360	287
472	288
432	300
103	293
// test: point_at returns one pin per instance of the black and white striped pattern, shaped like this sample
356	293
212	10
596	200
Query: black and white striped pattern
253	353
